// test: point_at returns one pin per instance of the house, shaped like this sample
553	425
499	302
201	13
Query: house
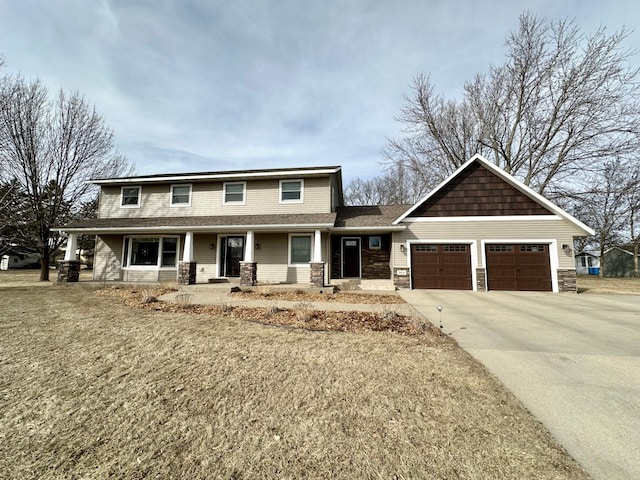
588	262
14	258
481	229
618	262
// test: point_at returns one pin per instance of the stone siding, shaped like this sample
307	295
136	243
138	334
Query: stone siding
317	274
68	271
402	281
248	274
187	273
481	280
567	281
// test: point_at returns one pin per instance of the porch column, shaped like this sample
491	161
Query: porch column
317	246
70	253
316	264
187	254
69	268
248	251
187	268
248	268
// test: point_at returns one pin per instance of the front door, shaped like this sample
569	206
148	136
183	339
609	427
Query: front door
351	257
232	253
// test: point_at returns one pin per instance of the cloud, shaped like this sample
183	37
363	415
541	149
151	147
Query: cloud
201	85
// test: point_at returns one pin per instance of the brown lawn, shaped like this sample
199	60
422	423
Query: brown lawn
619	286
93	388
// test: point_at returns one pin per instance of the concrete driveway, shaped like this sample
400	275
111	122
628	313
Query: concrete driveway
572	360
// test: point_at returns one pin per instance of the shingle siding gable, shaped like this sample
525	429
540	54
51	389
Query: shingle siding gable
476	191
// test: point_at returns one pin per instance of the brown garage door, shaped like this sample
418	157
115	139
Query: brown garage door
518	267
441	266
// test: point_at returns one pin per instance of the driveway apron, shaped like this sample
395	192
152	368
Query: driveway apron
572	360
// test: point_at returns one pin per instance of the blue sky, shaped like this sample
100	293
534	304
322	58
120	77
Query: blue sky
214	85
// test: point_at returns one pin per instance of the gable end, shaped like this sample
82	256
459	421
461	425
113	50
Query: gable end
476	191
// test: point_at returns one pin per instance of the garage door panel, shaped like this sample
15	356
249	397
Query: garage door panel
518	267
441	266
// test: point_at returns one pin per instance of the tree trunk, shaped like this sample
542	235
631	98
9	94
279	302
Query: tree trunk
44	266
636	273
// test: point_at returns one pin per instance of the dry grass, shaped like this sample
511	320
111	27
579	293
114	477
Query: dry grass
608	286
93	388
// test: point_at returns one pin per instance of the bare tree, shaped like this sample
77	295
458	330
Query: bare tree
561	104
50	148
610	204
398	186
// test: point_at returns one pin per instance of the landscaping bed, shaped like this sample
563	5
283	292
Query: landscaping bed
303	315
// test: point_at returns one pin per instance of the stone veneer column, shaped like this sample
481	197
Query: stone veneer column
68	271
567	281
248	274
481	280
402	277
187	273
317	274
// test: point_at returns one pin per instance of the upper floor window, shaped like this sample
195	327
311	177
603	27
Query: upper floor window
234	193
130	197
180	195
291	191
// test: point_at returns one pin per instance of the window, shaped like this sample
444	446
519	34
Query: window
586	261
291	191
299	249
454	248
150	252
375	243
169	252
130	197
532	248
180	195
501	248
234	193
425	248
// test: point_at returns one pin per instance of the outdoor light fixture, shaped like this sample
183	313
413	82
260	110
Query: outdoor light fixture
403	249
257	246
566	248
212	246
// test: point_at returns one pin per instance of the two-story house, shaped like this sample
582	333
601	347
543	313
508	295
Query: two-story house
480	229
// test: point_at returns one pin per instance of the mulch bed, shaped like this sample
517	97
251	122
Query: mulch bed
301	295
302	317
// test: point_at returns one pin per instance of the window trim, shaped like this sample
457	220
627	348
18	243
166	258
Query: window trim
311	247
126	249
300	200
188	204
244	193
130	187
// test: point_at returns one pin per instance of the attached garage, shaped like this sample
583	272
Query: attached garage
520	267
441	266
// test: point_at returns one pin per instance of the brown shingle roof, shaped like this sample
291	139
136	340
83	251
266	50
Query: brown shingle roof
201	221
369	216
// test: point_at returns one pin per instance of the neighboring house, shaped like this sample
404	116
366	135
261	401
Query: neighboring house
15	259
480	229
588	263
618	262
